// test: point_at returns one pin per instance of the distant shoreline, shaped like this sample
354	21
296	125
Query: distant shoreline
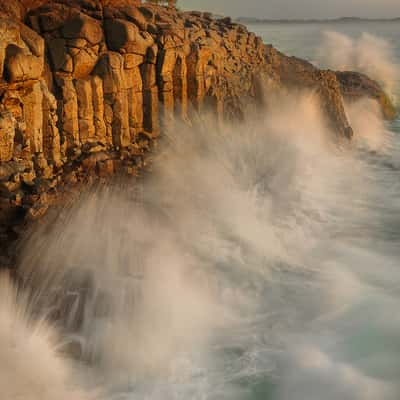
250	20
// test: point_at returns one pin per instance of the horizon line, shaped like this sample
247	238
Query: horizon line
317	19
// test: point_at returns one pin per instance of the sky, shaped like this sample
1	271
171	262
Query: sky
277	9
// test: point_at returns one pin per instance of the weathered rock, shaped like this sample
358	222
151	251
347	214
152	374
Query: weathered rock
133	60
111	69
20	66
124	36
34	41
100	130
295	73
51	134
133	14
58	53
127	12
84	62
51	19
33	117
355	86
83	27
85	110
90	84
7	134
69	112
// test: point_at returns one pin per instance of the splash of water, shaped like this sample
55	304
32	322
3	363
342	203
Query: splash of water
368	54
31	367
240	268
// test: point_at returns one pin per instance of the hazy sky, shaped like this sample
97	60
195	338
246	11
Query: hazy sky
297	8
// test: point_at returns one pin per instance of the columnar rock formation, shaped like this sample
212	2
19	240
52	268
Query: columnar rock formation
85	85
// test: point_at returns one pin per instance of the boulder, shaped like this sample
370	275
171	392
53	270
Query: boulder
84	62
133	14
119	33
83	27
126	12
20	66
124	36
34	41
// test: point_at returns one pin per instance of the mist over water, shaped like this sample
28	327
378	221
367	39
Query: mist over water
369	54
365	46
254	261
31	367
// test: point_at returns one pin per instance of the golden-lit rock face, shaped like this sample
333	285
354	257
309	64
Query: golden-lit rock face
84	86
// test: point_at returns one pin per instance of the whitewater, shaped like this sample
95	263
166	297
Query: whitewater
258	260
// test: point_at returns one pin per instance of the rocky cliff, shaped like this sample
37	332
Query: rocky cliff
85	87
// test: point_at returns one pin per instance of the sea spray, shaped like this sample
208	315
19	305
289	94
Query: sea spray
240	267
31	366
368	54
366	120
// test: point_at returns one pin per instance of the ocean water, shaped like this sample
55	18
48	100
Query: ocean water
304	40
335	45
256	261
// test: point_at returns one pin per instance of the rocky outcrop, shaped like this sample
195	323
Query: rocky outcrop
294	73
355	86
86	86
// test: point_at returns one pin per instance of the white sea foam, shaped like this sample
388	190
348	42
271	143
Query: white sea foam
242	263
368	54
31	367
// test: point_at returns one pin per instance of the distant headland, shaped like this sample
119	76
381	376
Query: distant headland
253	20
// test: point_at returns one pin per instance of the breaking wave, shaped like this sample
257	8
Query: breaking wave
254	261
368	54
